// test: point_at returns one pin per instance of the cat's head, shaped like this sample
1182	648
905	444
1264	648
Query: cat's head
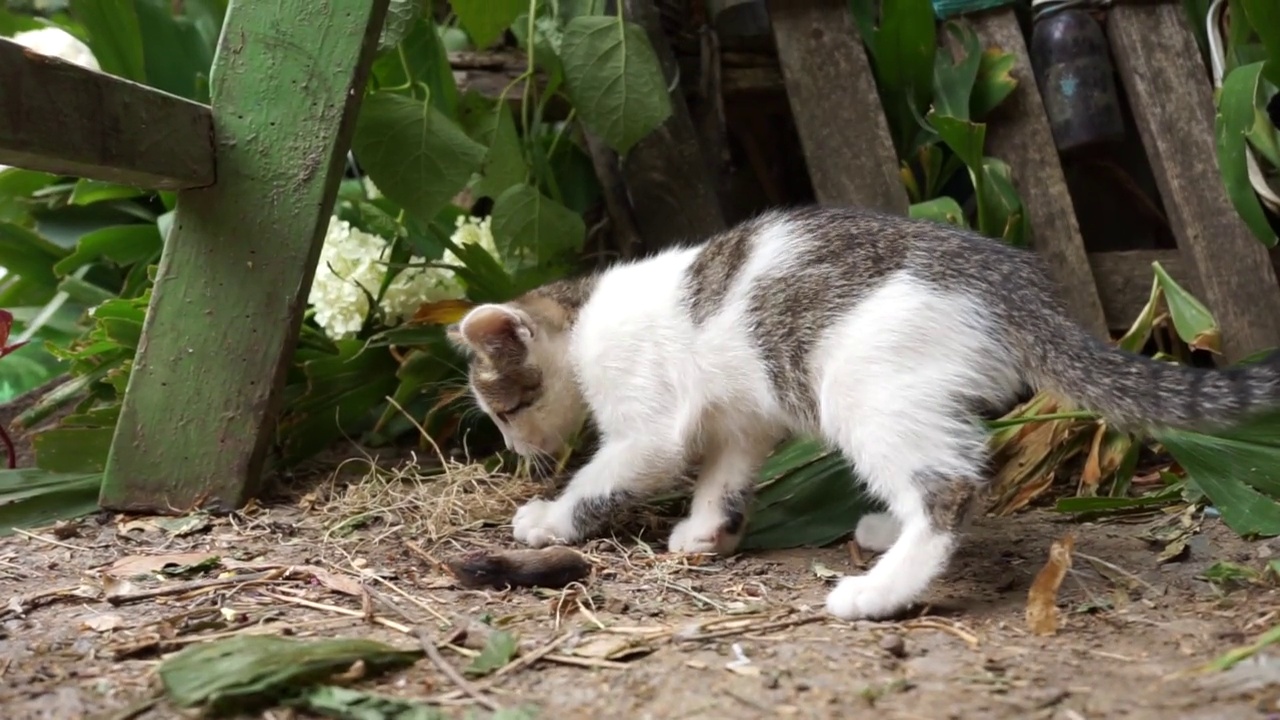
519	371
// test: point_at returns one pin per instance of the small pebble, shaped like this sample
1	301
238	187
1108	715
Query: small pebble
894	645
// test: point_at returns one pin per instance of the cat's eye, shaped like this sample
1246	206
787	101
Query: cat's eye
505	415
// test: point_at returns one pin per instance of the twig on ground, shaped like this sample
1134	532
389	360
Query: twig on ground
433	653
49	541
766	627
947	627
194	585
404	629
1117	568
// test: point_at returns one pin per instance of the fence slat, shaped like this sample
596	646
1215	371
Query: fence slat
836	107
1018	133
198	417
672	189
62	118
1172	103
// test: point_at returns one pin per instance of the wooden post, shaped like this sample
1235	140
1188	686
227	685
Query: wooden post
62	118
833	98
667	174
201	405
1172	103
1018	133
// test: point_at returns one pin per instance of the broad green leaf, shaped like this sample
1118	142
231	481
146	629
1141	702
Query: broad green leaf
87	192
1140	331
965	138
1191	319
1234	120
942	209
174	53
122	244
73	450
1237	469
401	15
1264	16
485	20
1000	210
235	673
423	57
492	125
498	650
418	157
31	497
994	82
29	255
335	701
806	496
614	79
115	36
526	221
954	77
339	397
906	43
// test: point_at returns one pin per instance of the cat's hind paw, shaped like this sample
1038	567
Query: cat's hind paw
862	597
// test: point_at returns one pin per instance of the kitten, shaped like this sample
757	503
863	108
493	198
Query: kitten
880	335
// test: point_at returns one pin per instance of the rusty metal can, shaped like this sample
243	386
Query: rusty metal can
1072	64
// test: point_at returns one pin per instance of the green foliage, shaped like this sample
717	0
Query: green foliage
1248	145
81	255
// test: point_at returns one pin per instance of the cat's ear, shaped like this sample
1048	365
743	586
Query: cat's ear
493	330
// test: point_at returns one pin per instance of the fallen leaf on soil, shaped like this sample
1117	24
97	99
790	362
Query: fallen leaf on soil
333	701
244	670
344	584
1042	600
498	651
104	623
551	567
613	647
169	564
823	572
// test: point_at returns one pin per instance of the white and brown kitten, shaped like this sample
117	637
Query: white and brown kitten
880	335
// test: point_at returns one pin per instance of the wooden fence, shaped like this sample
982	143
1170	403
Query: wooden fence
257	179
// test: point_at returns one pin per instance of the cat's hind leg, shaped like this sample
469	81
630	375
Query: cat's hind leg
932	489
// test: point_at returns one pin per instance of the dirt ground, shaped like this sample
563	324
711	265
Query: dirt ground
649	635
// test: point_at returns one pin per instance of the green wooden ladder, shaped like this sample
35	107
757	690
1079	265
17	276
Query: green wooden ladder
257	173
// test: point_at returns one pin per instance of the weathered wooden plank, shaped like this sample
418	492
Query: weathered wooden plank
833	98
1124	280
668	176
1018	133
228	302
62	118
1172	104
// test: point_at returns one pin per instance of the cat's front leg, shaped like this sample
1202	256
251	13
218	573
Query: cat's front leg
721	499
620	472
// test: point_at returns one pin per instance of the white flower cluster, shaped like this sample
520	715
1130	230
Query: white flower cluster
58	43
353	264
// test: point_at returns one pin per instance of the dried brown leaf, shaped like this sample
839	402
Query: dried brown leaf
1042	600
104	623
146	564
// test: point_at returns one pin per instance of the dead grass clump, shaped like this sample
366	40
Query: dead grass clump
429	503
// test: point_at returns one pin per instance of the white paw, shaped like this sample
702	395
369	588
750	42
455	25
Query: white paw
863	598
701	535
877	531
539	523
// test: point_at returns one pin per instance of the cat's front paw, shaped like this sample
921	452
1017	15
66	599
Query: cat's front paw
863	597
702	535
539	523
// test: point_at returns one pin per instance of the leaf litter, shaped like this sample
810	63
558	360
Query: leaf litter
373	579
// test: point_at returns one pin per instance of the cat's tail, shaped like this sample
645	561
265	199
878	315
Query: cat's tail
1137	392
